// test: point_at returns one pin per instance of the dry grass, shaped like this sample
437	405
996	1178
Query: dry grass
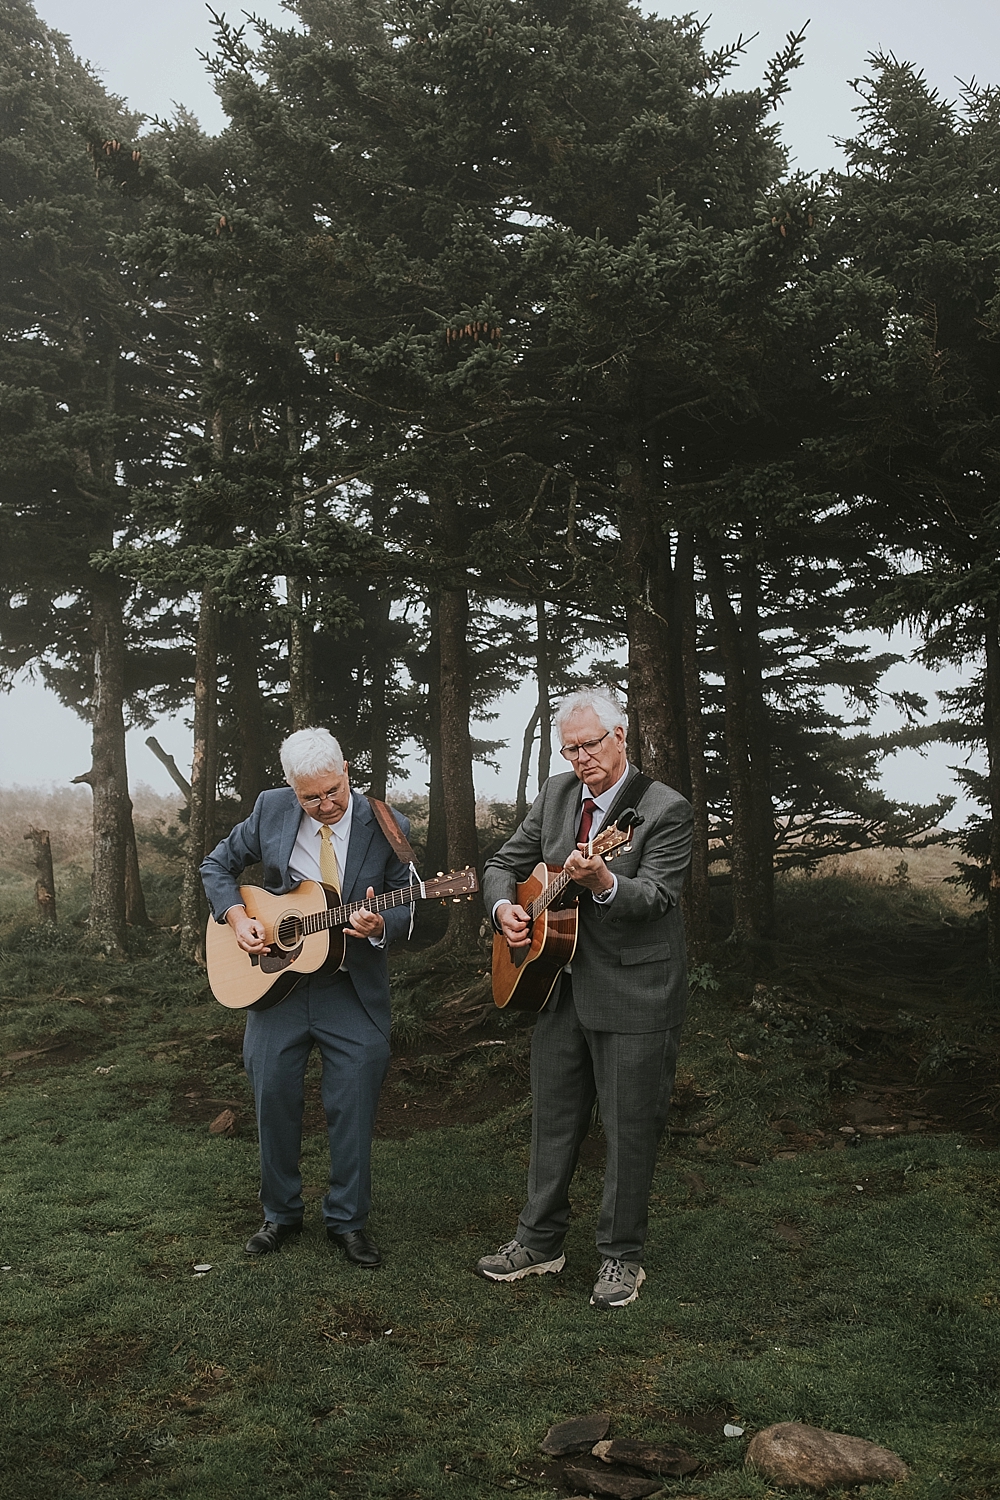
66	813
918	867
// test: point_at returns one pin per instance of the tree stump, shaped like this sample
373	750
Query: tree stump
45	885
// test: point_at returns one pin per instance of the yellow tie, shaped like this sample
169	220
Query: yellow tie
329	869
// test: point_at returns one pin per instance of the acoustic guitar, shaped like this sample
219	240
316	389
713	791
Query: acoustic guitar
302	930
524	978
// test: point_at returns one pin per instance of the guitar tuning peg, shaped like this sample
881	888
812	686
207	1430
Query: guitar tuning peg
440	874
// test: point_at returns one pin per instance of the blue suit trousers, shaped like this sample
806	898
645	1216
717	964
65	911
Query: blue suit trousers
322	1011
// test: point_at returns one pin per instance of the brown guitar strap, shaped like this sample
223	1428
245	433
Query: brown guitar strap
398	841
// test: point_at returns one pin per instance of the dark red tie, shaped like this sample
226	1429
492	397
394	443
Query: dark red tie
586	822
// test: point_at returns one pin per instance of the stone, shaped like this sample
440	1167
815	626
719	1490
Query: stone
578	1435
651	1458
224	1124
603	1481
791	1454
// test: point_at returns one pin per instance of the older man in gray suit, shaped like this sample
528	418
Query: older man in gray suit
611	1029
316	828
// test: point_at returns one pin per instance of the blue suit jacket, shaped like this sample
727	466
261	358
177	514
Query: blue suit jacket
268	836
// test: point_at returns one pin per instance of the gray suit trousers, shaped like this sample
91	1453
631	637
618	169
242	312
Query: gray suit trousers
324	1011
631	1075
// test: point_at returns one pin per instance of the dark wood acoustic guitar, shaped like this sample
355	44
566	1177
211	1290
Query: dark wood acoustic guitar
524	978
302	930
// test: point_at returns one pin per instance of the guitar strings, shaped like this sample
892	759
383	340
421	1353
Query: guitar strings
562	880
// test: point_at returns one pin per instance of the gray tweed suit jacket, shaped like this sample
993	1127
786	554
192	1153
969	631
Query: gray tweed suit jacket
630	966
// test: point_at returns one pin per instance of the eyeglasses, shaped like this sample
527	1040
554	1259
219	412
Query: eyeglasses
329	796
573	752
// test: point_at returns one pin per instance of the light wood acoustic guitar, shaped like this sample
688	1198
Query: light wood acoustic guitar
303	930
524	978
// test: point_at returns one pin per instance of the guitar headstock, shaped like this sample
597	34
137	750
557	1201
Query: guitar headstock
456	884
617	839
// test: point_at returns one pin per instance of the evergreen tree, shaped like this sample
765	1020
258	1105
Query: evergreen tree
69	392
918	207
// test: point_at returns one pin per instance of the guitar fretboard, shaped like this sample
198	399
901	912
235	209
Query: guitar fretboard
339	916
609	842
542	903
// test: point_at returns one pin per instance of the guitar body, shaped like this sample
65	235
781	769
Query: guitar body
243	981
251	981
524	978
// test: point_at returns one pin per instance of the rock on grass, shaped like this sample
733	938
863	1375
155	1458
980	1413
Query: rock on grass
604	1481
792	1454
575	1436
651	1458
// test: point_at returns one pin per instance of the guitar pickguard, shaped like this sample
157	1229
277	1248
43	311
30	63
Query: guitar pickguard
273	963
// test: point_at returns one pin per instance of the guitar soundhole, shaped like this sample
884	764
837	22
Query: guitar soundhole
289	931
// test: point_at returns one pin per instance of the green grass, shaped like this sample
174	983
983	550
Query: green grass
776	1293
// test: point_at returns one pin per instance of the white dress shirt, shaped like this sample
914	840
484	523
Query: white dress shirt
603	804
304	863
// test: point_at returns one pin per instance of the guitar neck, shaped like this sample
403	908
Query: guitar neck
610	842
339	916
555	888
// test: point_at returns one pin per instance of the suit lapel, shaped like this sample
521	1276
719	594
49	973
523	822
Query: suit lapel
362	827
570	817
289	832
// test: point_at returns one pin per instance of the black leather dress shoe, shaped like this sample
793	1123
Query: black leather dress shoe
357	1246
271	1236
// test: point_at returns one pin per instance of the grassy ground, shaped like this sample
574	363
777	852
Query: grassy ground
796	1272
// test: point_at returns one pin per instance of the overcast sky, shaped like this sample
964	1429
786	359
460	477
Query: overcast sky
148	53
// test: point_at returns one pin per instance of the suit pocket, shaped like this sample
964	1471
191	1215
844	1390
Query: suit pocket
652	953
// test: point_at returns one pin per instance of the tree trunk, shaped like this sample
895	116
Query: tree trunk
45	885
749	922
300	674
759	742
521	800
194	907
171	766
251	763
107	777
699	900
135	900
456	753
543	672
992	736
378	717
650	670
436	851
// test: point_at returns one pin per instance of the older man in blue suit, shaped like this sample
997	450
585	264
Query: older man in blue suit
316	828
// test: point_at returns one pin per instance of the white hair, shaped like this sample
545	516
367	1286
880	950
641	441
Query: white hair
609	711
310	752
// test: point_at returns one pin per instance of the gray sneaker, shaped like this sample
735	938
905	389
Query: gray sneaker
514	1260
617	1284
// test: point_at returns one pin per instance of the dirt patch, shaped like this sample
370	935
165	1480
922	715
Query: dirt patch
350	1324
52	1052
414	1100
196	1101
99	1361
885	1095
